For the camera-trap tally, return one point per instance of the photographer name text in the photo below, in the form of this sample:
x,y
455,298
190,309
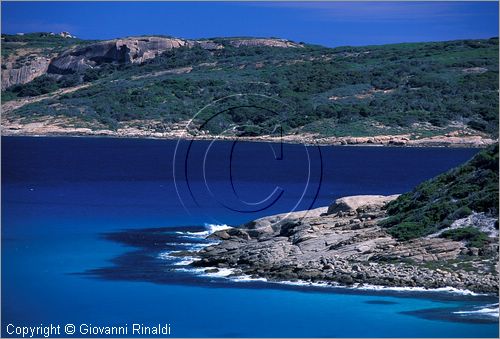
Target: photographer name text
x,y
58,330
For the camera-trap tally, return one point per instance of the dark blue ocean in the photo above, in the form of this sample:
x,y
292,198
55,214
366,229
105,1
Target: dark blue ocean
x,y
84,221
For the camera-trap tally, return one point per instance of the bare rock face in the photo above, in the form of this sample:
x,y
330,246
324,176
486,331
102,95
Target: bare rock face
x,y
264,42
66,35
136,50
13,76
127,51
206,44
273,223
424,250
133,50
353,203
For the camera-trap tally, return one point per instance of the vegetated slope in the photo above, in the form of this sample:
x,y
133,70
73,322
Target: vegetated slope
x,y
438,203
27,57
419,88
46,42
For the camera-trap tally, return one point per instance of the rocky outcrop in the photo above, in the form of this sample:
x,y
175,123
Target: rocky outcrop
x,y
66,35
81,58
36,67
365,201
264,42
206,44
482,221
343,244
136,50
126,51
133,50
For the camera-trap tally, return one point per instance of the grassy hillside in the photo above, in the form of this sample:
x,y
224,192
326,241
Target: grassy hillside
x,y
420,87
44,42
435,204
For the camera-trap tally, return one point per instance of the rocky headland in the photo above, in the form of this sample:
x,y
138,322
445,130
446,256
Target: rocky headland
x,y
343,244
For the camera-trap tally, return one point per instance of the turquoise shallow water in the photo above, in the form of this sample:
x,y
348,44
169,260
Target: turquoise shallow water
x,y
59,195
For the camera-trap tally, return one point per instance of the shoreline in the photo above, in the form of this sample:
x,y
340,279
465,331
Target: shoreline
x,y
342,244
291,140
232,275
242,278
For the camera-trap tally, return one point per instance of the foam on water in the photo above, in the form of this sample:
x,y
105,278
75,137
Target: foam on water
x,y
185,244
198,271
191,235
220,273
236,276
186,261
244,277
194,246
491,310
225,273
232,275
165,255
305,283
418,289
210,228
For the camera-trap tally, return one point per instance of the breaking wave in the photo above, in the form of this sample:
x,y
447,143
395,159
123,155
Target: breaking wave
x,y
210,228
491,310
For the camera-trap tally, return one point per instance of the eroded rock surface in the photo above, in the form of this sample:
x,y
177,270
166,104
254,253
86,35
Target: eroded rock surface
x,y
129,50
133,50
343,244
136,50
33,68
263,42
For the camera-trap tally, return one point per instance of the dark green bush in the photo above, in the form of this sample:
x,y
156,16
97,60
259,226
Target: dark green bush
x,y
478,125
407,230
436,203
41,85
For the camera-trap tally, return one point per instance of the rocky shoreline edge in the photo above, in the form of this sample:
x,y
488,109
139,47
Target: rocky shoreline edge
x,y
342,246
382,140
12,125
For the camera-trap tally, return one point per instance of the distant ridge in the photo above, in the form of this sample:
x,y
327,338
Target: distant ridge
x,y
435,94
